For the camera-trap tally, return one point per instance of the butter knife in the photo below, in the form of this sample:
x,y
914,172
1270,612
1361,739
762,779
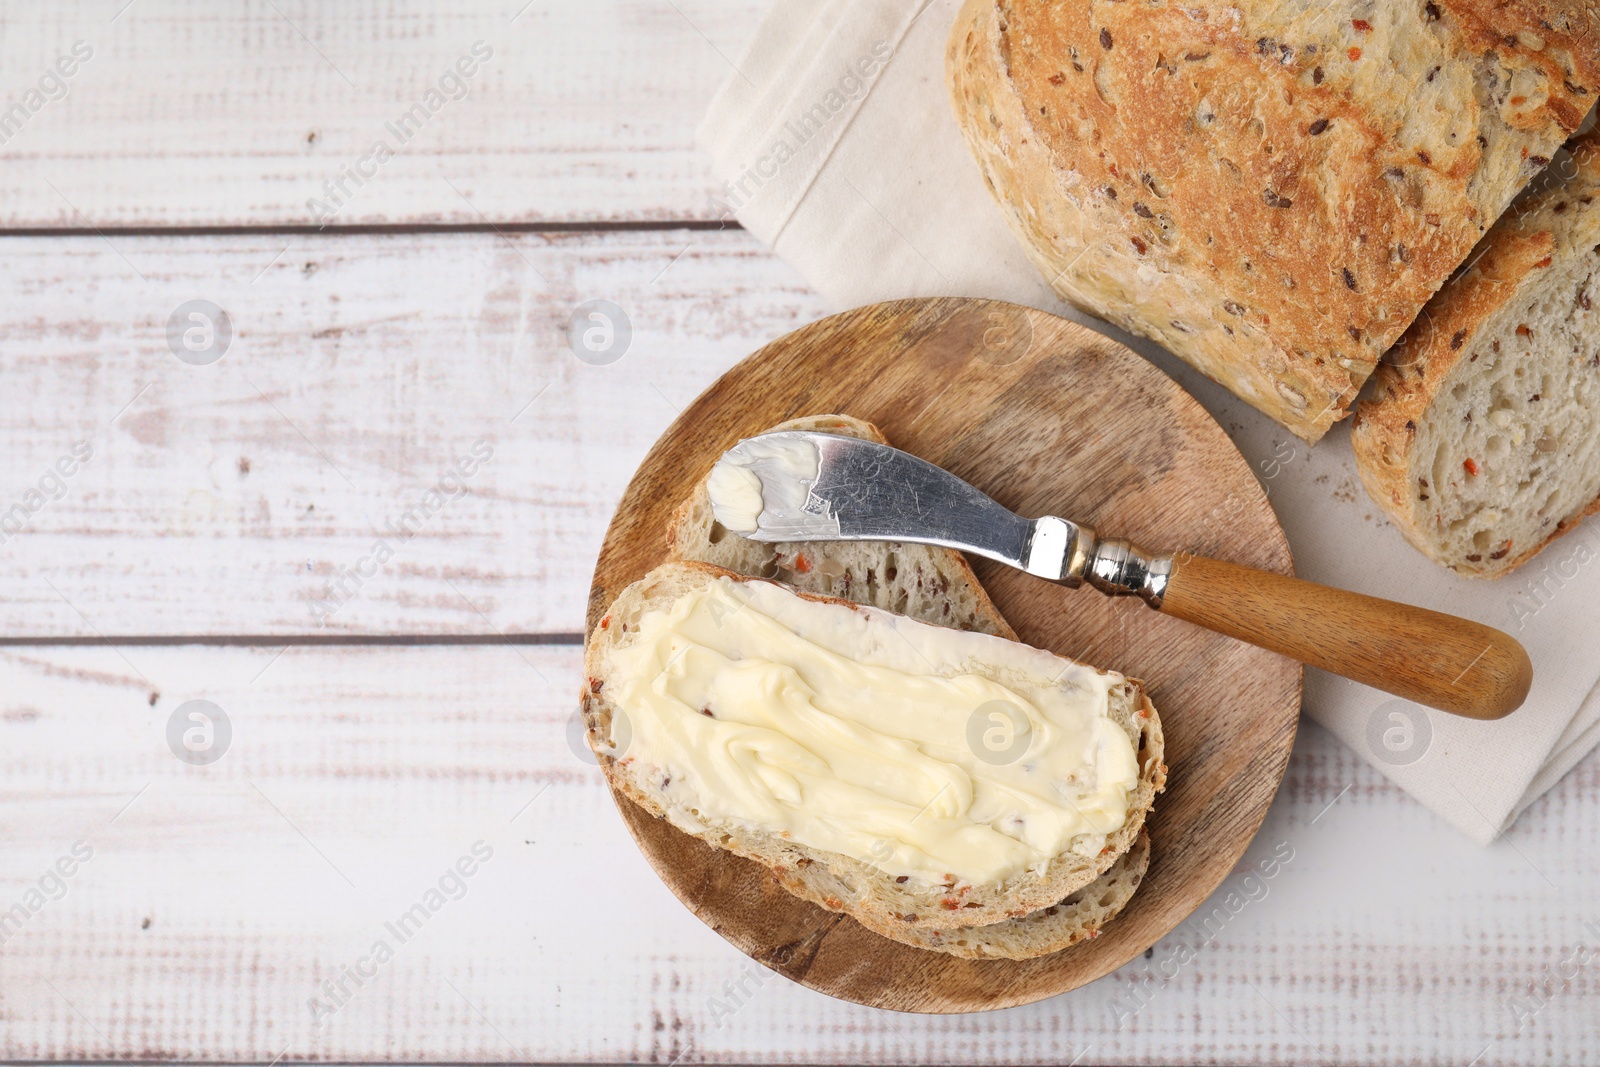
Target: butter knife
x,y
800,485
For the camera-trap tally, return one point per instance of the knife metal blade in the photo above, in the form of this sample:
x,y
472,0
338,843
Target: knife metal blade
x,y
801,485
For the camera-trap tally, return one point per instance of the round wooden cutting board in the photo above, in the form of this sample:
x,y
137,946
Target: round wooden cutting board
x,y
1049,418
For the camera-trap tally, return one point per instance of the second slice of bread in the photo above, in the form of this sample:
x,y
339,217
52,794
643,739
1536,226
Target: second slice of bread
x,y
927,583
1482,438
1062,925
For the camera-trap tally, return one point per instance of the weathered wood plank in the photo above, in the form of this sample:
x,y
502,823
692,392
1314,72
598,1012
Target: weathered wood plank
x,y
184,113
250,496
218,898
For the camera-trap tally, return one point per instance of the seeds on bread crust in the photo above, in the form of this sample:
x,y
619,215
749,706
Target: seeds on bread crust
x,y
1274,151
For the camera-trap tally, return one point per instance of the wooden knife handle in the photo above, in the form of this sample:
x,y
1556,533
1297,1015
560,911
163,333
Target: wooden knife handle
x,y
1445,662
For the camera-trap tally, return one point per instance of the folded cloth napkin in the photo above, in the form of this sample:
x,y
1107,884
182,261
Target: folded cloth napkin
x,y
835,144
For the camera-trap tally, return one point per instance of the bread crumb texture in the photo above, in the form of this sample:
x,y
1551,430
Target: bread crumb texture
x,y
1482,437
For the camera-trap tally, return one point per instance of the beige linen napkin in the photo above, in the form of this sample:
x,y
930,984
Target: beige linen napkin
x,y
835,145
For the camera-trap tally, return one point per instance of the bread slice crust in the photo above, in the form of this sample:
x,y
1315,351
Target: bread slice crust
x,y
837,882
1078,918
1270,192
1528,254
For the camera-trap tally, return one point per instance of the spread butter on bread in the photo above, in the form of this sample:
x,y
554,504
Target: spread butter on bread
x,y
1019,914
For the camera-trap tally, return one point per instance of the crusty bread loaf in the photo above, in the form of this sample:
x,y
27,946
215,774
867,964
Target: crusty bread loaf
x,y
1482,437
1271,190
935,585
838,882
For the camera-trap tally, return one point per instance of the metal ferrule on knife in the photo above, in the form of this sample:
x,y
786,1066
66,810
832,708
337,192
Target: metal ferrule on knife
x,y
1069,553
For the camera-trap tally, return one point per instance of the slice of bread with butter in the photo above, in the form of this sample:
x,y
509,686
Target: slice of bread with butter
x,y
938,586
848,749
853,745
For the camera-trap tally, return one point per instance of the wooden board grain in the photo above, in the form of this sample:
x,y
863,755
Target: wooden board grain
x,y
1048,418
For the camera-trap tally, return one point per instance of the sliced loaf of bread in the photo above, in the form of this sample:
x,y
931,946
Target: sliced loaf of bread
x,y
1481,439
1269,190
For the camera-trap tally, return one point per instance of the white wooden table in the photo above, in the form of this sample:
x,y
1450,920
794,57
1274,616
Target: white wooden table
x,y
424,715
